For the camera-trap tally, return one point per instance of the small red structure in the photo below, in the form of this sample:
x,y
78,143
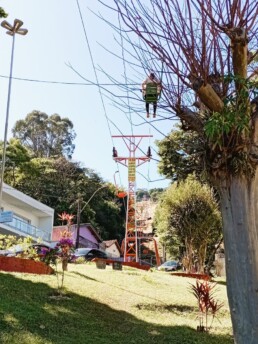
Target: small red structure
x,y
15,264
192,275
121,194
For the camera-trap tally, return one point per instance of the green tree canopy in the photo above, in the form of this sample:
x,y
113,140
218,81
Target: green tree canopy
x,y
60,184
46,136
3,14
142,194
16,156
182,153
188,216
156,193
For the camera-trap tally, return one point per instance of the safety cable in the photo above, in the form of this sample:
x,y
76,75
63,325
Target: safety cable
x,y
90,83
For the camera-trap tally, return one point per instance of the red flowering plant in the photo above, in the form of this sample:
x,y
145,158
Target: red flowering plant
x,y
65,244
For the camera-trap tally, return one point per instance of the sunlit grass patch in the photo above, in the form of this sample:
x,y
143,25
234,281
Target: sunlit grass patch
x,y
104,306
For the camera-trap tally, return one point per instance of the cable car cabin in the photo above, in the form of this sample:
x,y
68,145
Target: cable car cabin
x,y
121,194
152,92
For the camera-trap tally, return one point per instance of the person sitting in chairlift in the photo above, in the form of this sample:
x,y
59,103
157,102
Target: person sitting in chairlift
x,y
151,89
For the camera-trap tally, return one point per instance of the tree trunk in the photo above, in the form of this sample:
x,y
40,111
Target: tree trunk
x,y
189,254
239,202
65,264
201,257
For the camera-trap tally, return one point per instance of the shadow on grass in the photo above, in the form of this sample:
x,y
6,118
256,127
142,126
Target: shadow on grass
x,y
83,276
29,316
166,308
221,282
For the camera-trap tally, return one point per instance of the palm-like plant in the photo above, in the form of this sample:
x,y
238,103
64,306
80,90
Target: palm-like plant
x,y
207,305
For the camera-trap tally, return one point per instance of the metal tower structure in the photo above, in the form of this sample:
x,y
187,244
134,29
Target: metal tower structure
x,y
132,143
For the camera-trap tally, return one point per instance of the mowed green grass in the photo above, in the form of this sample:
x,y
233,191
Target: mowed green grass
x,y
105,306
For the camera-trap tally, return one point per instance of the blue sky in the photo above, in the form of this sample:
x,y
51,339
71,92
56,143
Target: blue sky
x,y
55,40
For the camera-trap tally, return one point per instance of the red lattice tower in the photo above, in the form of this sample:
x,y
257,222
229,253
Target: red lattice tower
x,y
132,142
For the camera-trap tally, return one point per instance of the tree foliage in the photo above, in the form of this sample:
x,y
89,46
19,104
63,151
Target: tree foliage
x,y
142,194
16,156
36,165
156,193
46,136
152,194
182,153
3,14
60,184
188,216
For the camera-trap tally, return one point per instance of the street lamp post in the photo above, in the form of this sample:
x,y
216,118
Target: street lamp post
x,y
79,211
11,30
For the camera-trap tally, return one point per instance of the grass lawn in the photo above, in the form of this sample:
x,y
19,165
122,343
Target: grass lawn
x,y
105,307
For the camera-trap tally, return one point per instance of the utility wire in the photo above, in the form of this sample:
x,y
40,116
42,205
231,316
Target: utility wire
x,y
68,82
93,65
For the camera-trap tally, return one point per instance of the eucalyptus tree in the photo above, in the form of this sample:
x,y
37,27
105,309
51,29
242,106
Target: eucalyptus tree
x,y
208,50
46,136
16,156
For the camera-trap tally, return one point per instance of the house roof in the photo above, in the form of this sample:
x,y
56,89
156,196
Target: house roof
x,y
109,243
92,230
18,199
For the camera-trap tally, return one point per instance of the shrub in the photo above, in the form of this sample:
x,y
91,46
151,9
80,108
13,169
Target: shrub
x,y
207,305
80,260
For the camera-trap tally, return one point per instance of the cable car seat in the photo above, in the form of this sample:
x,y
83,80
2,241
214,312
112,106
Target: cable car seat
x,y
151,92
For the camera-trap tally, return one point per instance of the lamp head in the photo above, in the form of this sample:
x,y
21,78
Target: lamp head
x,y
16,28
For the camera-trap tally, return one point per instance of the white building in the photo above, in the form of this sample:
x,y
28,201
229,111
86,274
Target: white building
x,y
29,217
112,247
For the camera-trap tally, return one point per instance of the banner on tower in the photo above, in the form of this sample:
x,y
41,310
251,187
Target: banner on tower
x,y
131,169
